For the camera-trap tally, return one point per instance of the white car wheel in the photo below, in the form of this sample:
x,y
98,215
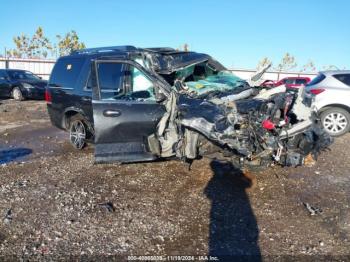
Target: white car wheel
x,y
336,121
17,94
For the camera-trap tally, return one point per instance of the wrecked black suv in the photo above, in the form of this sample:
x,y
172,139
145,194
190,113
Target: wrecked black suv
x,y
143,104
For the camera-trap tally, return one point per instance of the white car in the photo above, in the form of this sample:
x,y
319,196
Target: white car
x,y
331,90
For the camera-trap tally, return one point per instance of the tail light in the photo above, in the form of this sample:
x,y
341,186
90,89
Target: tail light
x,y
317,91
48,97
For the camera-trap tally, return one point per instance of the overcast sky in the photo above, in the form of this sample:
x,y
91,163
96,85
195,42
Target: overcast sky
x,y
237,33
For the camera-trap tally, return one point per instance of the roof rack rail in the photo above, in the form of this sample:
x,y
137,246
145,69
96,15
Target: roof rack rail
x,y
160,49
124,48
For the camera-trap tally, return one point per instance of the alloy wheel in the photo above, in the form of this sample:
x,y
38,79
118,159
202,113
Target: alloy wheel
x,y
17,95
335,122
77,134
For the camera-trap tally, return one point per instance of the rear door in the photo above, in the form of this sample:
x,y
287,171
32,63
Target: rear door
x,y
124,110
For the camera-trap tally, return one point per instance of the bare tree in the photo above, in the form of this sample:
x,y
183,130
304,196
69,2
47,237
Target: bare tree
x,y
22,49
69,43
287,63
40,44
185,47
36,46
330,67
309,67
263,62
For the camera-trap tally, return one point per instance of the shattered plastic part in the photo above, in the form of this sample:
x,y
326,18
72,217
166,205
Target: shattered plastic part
x,y
247,129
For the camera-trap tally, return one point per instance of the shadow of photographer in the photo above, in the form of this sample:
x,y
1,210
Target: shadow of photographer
x,y
233,232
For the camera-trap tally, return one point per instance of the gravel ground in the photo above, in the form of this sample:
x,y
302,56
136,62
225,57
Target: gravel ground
x,y
55,202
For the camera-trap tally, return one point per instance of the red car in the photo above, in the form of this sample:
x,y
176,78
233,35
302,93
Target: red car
x,y
289,82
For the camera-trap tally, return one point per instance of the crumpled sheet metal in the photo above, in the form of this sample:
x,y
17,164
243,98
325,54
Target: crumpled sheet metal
x,y
167,132
218,123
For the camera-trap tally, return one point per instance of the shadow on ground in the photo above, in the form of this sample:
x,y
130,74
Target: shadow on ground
x,y
233,232
10,155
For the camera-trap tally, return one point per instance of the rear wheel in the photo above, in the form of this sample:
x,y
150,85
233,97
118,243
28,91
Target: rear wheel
x,y
17,94
77,131
336,121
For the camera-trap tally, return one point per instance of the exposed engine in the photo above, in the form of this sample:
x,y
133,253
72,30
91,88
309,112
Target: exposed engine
x,y
252,131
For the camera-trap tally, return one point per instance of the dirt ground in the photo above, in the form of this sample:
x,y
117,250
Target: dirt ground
x,y
55,202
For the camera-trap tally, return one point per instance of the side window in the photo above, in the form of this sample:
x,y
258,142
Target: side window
x,y
142,87
345,78
123,82
66,72
300,81
289,81
111,78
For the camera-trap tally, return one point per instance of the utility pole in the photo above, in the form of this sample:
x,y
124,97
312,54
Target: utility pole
x,y
6,59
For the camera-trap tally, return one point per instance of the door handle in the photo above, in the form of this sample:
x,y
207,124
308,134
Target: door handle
x,y
112,113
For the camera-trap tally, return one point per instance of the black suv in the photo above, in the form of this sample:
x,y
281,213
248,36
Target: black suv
x,y
113,96
142,104
21,84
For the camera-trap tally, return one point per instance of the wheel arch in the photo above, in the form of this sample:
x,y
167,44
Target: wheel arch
x,y
68,113
342,106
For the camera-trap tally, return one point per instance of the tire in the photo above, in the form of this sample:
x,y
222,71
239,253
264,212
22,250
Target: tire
x,y
17,94
78,131
336,121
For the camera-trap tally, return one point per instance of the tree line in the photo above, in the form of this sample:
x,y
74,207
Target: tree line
x,y
288,63
39,46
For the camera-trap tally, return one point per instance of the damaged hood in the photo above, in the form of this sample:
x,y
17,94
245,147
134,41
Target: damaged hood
x,y
169,62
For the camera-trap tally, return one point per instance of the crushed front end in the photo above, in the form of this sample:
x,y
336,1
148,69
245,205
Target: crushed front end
x,y
280,130
211,112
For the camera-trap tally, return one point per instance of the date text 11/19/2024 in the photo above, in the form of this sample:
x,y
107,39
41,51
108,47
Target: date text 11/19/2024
x,y
173,258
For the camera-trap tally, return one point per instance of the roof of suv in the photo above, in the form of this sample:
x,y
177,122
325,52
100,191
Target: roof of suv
x,y
123,50
165,59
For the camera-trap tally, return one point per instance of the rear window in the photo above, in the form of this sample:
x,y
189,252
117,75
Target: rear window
x,y
344,78
66,72
318,79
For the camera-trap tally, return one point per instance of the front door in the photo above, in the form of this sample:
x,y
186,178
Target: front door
x,y
124,110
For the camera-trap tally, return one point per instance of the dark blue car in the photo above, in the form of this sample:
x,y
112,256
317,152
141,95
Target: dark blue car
x,y
21,84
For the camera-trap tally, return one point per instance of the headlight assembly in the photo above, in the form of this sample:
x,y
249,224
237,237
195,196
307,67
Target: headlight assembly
x,y
27,86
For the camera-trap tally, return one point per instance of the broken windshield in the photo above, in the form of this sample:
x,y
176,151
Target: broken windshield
x,y
223,81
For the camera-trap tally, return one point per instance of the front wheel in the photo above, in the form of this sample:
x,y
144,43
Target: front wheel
x,y
17,94
77,132
336,121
